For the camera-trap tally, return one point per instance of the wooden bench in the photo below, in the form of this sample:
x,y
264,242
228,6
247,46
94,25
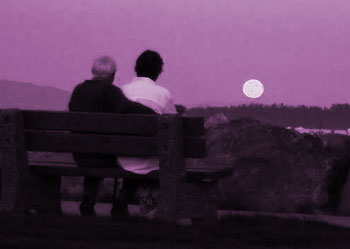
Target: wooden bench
x,y
184,192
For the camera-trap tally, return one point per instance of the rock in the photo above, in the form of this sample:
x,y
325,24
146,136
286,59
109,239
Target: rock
x,y
214,120
274,169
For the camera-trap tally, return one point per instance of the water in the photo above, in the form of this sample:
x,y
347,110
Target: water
x,y
323,131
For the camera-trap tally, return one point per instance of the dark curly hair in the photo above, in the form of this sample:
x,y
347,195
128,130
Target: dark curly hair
x,y
149,64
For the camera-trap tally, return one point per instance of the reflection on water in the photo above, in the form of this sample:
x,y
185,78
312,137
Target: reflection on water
x,y
320,131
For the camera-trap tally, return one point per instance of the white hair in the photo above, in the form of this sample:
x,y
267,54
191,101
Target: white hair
x,y
104,66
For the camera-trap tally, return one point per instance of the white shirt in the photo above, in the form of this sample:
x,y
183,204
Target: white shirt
x,y
145,91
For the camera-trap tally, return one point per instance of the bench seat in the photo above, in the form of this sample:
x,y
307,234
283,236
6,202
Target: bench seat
x,y
193,174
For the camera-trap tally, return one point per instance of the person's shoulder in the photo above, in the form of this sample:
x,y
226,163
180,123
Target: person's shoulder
x,y
163,91
126,86
111,87
88,84
80,89
79,85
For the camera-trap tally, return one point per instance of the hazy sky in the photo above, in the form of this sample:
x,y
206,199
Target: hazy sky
x,y
299,49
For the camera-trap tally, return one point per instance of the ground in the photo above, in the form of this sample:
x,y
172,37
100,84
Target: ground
x,y
260,232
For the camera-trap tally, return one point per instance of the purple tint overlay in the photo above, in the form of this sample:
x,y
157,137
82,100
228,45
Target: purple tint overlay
x,y
298,49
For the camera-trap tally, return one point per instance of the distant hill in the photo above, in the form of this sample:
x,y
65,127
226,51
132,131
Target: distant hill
x,y
29,96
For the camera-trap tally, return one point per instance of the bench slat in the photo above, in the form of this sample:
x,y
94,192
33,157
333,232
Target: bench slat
x,y
91,143
193,174
91,122
193,126
98,172
106,144
134,124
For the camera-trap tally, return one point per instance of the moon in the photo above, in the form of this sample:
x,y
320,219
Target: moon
x,y
253,89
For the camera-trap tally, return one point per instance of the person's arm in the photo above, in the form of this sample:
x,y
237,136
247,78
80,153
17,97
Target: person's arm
x,y
134,107
180,109
169,107
118,103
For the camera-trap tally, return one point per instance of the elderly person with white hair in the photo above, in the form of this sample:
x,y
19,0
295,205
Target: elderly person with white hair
x,y
100,95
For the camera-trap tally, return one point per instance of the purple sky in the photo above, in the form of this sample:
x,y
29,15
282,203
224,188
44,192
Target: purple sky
x,y
299,49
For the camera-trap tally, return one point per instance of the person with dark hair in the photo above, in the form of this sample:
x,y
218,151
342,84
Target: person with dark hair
x,y
100,95
149,64
144,90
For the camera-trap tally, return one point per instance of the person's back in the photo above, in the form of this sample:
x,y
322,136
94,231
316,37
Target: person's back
x,y
144,90
91,96
100,95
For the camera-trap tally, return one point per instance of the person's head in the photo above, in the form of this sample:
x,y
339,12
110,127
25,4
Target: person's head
x,y
149,64
104,67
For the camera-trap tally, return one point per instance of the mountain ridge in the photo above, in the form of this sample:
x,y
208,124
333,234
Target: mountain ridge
x,y
25,95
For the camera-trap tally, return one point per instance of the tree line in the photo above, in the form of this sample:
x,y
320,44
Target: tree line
x,y
336,117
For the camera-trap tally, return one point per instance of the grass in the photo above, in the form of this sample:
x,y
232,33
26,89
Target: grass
x,y
72,232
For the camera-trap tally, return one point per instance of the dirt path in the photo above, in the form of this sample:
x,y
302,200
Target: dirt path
x,y
103,209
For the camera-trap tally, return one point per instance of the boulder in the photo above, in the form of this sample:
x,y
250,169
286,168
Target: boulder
x,y
215,119
275,169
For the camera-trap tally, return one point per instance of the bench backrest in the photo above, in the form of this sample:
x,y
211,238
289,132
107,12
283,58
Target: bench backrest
x,y
121,134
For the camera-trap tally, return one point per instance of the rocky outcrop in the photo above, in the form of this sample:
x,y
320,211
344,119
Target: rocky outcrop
x,y
212,121
276,169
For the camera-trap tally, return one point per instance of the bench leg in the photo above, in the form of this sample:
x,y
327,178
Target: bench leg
x,y
196,201
45,194
179,198
13,162
120,200
200,201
